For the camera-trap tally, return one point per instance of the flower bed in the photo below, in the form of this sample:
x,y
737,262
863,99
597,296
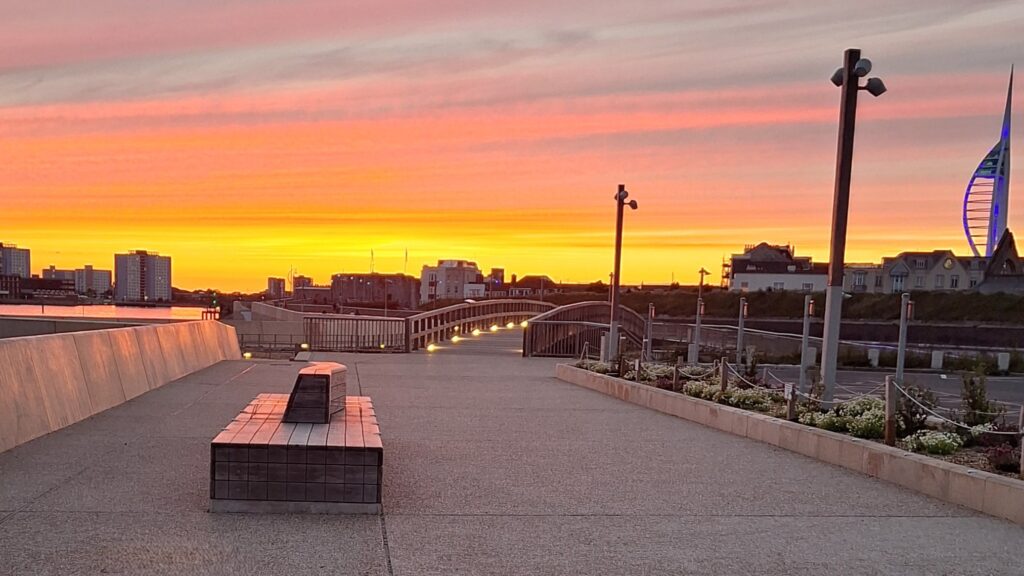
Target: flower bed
x,y
981,446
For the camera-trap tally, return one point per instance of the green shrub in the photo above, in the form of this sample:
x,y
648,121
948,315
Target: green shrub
x,y
974,399
934,442
910,417
595,366
869,424
702,390
826,420
748,399
854,408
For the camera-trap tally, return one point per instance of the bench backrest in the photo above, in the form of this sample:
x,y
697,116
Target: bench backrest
x,y
319,391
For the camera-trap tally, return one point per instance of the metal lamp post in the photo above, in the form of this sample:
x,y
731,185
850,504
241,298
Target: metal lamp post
x,y
906,313
848,78
613,330
805,340
695,351
739,334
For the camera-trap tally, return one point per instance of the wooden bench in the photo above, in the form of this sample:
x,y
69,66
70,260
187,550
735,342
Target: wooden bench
x,y
262,463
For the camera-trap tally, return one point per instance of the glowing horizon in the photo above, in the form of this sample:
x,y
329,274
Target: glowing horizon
x,y
314,133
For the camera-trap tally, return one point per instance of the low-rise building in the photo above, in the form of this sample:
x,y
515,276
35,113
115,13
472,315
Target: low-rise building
x,y
1005,270
774,268
447,280
533,286
400,290
66,277
93,281
915,272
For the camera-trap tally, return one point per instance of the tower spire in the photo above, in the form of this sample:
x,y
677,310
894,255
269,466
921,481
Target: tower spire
x,y
1006,115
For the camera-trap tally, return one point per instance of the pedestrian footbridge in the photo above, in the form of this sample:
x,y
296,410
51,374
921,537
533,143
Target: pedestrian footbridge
x,y
545,329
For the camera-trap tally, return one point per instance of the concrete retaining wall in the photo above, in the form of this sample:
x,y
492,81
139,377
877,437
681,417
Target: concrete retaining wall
x,y
49,382
261,311
989,493
18,327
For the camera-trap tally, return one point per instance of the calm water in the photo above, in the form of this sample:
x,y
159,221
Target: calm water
x,y
102,311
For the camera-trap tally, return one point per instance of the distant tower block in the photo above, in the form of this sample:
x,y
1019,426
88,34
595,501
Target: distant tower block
x,y
986,202
319,391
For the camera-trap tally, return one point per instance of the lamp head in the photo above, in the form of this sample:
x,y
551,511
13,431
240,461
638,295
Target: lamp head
x,y
633,204
837,77
875,87
862,67
622,195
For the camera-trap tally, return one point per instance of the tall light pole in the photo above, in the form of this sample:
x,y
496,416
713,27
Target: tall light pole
x,y
848,78
739,333
613,330
805,360
695,348
906,312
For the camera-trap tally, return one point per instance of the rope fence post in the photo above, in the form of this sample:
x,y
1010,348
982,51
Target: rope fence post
x,y
675,376
890,411
790,402
724,373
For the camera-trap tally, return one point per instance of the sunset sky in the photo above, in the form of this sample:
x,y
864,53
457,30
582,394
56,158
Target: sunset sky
x,y
247,137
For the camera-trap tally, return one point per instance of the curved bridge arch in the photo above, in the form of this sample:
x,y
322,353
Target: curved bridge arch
x,y
564,331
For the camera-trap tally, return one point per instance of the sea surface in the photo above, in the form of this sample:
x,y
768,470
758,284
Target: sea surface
x,y
107,311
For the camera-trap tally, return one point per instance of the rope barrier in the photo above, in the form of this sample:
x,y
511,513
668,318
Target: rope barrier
x,y
947,420
751,384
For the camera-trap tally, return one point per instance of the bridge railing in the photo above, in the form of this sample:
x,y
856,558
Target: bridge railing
x,y
342,333
355,333
566,330
443,323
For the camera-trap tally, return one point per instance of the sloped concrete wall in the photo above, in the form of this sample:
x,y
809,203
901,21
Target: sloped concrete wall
x,y
49,382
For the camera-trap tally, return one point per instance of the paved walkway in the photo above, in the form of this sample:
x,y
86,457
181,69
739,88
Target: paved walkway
x,y
491,467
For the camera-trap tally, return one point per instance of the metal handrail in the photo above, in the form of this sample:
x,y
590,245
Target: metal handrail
x,y
565,330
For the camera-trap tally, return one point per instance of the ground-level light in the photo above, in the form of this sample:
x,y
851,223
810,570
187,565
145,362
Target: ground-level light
x,y
524,323
304,346
476,332
455,339
494,327
510,325
247,355
431,347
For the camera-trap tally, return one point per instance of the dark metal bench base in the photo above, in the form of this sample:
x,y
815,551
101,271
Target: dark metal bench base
x,y
281,507
281,466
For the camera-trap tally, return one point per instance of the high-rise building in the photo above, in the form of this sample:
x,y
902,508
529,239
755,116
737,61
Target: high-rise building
x,y
15,261
275,288
987,200
95,282
142,276
448,280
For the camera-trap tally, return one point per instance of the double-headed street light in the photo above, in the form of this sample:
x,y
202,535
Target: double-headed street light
x,y
848,78
613,329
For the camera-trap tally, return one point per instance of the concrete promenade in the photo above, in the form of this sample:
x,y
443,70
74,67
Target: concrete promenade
x,y
491,466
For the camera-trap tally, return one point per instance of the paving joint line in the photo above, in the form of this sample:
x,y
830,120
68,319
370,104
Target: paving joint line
x,y
385,542
540,515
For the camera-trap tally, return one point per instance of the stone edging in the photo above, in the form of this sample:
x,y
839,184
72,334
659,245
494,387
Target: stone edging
x,y
982,491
